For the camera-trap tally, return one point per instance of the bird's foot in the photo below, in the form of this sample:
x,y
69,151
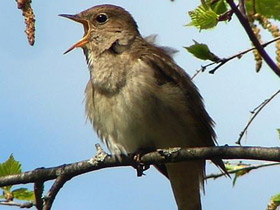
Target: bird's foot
x,y
140,167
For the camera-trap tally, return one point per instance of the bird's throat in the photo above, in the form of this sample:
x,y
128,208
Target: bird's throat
x,y
105,73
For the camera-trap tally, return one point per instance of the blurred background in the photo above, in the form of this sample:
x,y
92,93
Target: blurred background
x,y
42,120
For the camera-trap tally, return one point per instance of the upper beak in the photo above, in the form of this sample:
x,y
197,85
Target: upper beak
x,y
84,40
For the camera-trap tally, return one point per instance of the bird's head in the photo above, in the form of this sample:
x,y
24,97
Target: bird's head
x,y
105,26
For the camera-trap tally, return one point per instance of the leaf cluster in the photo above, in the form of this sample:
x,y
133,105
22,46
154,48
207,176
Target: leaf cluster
x,y
11,167
211,12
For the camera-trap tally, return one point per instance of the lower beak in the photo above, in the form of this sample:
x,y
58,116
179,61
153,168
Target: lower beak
x,y
84,40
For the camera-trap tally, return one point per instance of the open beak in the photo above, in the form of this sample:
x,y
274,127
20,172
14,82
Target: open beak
x,y
84,40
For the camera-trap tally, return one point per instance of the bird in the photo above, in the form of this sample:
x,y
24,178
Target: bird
x,y
139,99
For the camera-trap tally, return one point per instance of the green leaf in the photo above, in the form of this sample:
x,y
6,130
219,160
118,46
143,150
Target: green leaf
x,y
202,52
241,170
267,8
9,167
203,18
23,194
278,130
239,174
234,180
229,166
220,7
276,198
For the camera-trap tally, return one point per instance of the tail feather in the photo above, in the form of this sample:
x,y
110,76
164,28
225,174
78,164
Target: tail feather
x,y
187,180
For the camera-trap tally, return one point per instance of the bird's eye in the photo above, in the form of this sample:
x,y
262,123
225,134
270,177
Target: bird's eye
x,y
101,18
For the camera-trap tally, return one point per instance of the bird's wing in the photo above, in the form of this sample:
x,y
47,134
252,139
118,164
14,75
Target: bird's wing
x,y
167,71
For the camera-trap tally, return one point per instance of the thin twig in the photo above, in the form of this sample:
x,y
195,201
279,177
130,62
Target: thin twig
x,y
247,168
255,112
246,25
225,60
202,69
196,73
239,55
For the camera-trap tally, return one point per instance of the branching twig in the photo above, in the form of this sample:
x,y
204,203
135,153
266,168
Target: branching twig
x,y
246,25
58,184
202,69
254,113
247,168
225,60
239,55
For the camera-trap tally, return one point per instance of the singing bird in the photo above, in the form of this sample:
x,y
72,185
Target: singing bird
x,y
139,99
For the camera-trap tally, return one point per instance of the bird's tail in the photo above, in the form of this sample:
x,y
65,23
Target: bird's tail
x,y
187,180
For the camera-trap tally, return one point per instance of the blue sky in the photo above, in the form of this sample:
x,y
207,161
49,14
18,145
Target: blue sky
x,y
42,119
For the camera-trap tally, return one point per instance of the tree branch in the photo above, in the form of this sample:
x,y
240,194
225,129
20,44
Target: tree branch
x,y
38,192
246,25
160,156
